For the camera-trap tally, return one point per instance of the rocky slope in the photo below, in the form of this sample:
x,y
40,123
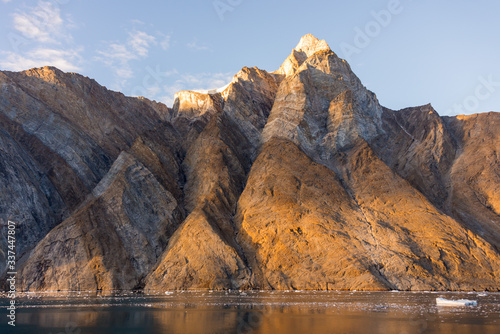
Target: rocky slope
x,y
293,179
60,134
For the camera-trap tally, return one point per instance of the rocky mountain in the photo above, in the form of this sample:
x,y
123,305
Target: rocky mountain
x,y
293,179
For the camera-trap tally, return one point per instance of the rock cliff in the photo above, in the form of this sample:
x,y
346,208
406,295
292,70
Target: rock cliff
x,y
292,179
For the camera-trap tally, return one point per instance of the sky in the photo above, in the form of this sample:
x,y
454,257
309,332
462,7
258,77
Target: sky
x,y
408,52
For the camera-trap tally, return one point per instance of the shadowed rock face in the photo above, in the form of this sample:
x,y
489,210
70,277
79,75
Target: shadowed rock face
x,y
295,179
418,146
60,134
474,195
113,240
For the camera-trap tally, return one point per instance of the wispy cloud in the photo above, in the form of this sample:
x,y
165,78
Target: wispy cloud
x,y
136,21
140,42
165,42
116,53
119,56
65,60
189,81
5,1
42,23
202,81
46,39
196,46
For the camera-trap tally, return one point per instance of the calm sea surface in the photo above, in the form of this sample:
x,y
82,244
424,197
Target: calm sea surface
x,y
253,312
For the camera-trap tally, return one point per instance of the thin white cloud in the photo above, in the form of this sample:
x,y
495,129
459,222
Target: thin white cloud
x,y
5,1
45,37
165,42
171,73
136,21
64,60
203,81
193,82
140,42
42,23
195,46
119,56
153,91
117,53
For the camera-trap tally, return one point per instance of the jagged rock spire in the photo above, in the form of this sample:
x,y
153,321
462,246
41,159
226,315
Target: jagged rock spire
x,y
310,45
307,46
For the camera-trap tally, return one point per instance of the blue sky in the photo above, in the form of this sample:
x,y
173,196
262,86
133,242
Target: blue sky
x,y
408,52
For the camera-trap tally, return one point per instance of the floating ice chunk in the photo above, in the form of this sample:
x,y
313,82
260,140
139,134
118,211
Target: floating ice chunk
x,y
459,302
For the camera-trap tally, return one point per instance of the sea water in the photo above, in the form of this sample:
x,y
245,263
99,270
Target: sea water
x,y
256,312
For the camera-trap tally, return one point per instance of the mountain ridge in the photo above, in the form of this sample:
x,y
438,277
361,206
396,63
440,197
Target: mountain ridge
x,y
293,179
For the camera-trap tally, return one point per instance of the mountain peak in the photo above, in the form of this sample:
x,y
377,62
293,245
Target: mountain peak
x,y
309,44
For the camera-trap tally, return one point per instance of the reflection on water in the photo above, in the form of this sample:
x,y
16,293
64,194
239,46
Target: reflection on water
x,y
253,312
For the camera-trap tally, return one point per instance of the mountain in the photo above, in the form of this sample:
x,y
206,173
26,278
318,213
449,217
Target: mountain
x,y
292,179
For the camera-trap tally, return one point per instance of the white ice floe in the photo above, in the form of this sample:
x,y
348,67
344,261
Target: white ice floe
x,y
458,302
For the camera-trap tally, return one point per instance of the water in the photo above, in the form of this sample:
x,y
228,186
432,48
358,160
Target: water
x,y
252,312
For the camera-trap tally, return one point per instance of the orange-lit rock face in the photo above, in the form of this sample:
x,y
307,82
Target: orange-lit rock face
x,y
304,228
295,179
